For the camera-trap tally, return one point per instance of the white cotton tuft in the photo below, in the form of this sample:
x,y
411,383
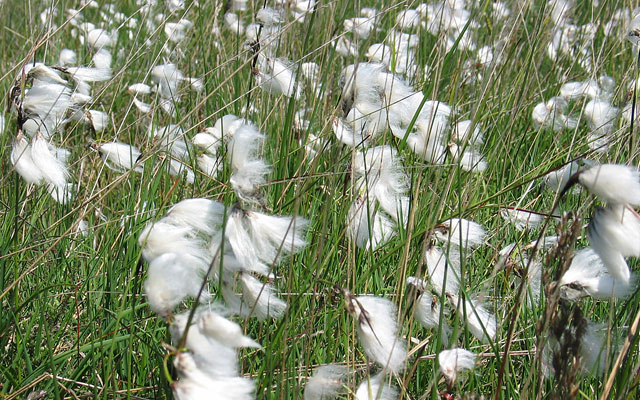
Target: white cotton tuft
x,y
120,157
209,165
454,361
588,276
170,280
224,331
367,227
67,57
54,171
478,318
377,331
203,215
427,309
161,237
375,388
327,382
460,232
443,269
521,219
248,169
613,183
614,233
259,299
208,142
99,38
23,163
86,74
211,357
102,60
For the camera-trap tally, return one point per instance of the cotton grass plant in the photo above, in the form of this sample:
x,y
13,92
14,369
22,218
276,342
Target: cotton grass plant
x,y
188,179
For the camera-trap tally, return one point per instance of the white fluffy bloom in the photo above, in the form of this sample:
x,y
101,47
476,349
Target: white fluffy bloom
x,y
360,26
276,76
204,215
22,161
601,116
478,318
551,114
380,171
377,330
443,270
120,157
427,309
521,219
161,237
54,170
375,388
171,279
613,183
454,361
99,38
196,382
460,232
327,382
367,227
259,299
211,357
259,240
67,57
614,233
587,276
224,331
248,169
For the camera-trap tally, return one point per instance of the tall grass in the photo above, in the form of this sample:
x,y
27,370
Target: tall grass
x,y
74,320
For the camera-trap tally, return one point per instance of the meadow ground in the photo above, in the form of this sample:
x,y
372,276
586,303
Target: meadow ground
x,y
75,320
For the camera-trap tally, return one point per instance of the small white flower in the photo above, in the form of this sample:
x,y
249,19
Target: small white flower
x,y
377,330
454,361
22,161
460,232
427,310
259,299
367,227
614,233
328,381
54,170
120,157
587,276
480,321
171,278
613,183
224,331
521,219
375,388
443,270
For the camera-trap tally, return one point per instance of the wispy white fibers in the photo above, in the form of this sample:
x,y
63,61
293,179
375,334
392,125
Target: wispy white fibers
x,y
224,331
120,157
587,276
521,219
443,269
259,299
379,170
211,356
613,183
460,232
477,318
249,169
377,330
327,382
22,161
366,226
161,237
259,240
455,361
54,170
197,384
277,76
551,114
427,309
171,279
376,388
614,233
204,215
